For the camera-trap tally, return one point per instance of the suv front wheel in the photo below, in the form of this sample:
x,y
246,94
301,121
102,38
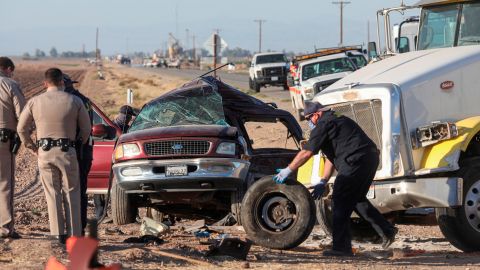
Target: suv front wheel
x,y
124,210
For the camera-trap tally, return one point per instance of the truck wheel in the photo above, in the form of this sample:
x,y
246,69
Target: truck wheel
x,y
124,210
256,86
285,87
250,83
235,205
278,216
461,226
361,230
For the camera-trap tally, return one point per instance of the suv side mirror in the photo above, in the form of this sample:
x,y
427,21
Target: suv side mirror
x,y
100,131
372,50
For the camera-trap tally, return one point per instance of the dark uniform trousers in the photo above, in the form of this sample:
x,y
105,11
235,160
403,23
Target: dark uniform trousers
x,y
85,158
350,194
7,184
60,179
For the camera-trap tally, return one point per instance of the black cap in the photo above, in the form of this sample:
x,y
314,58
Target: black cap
x,y
68,81
128,110
313,107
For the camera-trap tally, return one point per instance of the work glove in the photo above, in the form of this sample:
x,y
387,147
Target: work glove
x,y
282,175
318,190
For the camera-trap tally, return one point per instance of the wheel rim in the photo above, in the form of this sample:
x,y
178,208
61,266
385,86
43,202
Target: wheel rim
x,y
472,206
275,212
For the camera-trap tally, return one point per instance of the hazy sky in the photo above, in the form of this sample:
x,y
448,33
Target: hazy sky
x,y
143,25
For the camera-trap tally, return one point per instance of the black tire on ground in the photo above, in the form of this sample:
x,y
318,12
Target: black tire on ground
x,y
124,210
461,226
155,214
277,216
361,230
256,86
250,83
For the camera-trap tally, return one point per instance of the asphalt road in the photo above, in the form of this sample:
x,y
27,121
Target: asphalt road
x,y
238,80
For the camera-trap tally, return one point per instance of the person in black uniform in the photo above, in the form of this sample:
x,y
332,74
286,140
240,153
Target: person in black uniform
x,y
84,152
355,156
126,113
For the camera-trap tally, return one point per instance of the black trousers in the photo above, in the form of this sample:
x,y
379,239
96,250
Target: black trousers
x,y
349,194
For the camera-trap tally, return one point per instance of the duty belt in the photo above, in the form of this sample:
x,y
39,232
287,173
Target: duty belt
x,y
6,134
47,143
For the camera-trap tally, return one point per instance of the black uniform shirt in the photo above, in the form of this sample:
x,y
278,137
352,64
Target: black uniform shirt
x,y
340,139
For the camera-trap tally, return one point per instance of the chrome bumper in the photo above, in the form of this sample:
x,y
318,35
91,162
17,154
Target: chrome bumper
x,y
205,174
404,194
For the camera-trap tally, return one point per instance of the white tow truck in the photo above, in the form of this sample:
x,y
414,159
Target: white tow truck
x,y
421,109
312,73
268,69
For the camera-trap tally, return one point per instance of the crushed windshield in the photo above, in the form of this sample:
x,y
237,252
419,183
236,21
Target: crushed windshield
x,y
271,58
193,108
326,67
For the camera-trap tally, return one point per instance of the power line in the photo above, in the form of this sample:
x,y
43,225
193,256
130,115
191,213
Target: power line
x,y
260,22
341,4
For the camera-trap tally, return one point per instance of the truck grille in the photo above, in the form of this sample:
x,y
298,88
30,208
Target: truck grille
x,y
368,115
166,148
273,71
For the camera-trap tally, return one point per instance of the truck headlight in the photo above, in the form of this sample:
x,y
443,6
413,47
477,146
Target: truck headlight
x,y
309,93
127,150
226,148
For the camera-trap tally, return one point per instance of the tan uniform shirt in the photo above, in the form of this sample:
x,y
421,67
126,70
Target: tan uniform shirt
x,y
56,115
12,102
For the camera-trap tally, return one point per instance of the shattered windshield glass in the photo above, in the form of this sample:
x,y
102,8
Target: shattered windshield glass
x,y
196,107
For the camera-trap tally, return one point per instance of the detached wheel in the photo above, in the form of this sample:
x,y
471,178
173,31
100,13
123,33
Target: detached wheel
x,y
361,230
278,216
124,210
461,226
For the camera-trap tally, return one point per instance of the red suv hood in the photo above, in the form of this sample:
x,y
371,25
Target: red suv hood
x,y
180,131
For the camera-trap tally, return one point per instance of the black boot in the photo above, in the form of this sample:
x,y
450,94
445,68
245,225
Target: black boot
x,y
337,253
388,239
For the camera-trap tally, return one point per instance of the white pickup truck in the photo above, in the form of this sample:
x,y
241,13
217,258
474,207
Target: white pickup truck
x,y
314,75
422,110
268,69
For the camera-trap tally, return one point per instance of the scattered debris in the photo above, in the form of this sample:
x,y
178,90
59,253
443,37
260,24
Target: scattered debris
x,y
233,247
404,253
180,257
152,227
245,265
113,231
144,239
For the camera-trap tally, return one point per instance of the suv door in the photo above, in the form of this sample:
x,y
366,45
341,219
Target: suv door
x,y
271,144
102,154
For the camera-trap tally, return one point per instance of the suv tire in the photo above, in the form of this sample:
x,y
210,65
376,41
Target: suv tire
x,y
294,209
124,210
256,86
461,225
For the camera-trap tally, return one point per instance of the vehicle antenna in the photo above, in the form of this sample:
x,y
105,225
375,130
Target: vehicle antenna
x,y
215,69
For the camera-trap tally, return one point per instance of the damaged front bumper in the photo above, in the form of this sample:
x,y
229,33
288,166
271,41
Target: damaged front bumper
x,y
396,195
202,174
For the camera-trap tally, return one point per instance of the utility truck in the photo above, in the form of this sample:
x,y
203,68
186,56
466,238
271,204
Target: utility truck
x,y
421,109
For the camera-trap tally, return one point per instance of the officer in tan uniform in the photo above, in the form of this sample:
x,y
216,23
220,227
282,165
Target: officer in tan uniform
x,y
57,115
11,105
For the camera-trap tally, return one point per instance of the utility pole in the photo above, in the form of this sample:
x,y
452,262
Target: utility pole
x,y
215,39
194,52
96,49
260,22
342,4
186,39
368,32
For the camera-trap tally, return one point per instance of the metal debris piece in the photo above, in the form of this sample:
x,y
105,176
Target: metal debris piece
x,y
232,247
152,227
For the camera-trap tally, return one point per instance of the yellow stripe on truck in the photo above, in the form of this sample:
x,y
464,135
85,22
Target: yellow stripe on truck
x,y
437,155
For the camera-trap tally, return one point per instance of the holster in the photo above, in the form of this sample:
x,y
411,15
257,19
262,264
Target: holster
x,y
5,135
15,143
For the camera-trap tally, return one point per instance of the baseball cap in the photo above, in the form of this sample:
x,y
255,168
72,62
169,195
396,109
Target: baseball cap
x,y
313,107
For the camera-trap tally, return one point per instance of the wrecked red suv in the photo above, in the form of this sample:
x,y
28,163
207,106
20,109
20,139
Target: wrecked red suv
x,y
195,151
